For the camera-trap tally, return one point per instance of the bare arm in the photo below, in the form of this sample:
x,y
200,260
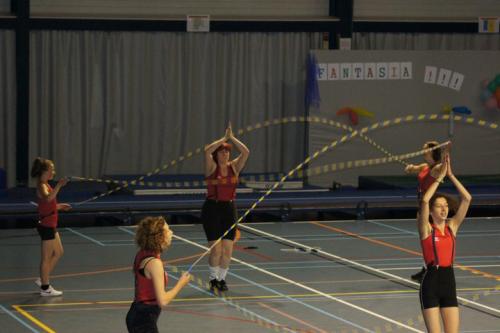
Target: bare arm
x,y
465,200
45,194
424,227
435,171
210,164
154,270
415,168
239,162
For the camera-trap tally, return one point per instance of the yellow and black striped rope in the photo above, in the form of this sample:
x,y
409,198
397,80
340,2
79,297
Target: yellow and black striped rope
x,y
247,129
417,320
140,181
252,316
300,167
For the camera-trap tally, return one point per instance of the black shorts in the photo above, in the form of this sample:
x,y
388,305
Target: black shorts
x,y
46,233
142,318
217,217
438,288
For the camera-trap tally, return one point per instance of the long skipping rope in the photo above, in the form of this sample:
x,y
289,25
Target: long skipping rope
x,y
386,123
386,160
343,166
247,129
268,123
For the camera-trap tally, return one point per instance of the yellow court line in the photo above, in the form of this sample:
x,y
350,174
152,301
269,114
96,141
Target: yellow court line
x,y
33,319
204,299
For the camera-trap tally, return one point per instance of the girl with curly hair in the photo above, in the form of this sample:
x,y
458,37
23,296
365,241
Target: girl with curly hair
x,y
153,236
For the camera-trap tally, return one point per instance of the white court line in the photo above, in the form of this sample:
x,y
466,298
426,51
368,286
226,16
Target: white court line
x,y
10,313
127,230
228,301
393,228
312,290
415,267
369,268
93,240
240,308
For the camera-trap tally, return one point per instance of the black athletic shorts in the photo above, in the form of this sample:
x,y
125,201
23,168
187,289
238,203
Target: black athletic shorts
x,y
142,318
217,217
46,233
438,288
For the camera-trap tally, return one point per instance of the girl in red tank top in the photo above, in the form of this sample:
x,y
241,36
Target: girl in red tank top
x,y
153,236
219,211
43,170
426,172
220,187
437,234
426,175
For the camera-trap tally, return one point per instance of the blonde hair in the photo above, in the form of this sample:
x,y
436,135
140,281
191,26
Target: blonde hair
x,y
150,233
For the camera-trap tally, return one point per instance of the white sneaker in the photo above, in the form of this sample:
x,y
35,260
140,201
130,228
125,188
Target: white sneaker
x,y
38,282
50,292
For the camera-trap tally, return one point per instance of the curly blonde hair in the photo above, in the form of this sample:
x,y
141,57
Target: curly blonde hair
x,y
150,233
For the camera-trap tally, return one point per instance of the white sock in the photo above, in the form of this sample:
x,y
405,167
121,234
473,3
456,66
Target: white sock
x,y
213,272
222,273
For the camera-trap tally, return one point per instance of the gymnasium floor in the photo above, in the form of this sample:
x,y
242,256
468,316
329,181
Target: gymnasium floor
x,y
327,276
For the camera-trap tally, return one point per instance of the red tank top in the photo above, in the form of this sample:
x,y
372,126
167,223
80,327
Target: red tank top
x,y
47,211
222,188
442,246
144,288
425,179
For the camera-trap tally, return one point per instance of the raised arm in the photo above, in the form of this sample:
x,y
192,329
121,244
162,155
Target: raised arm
x,y
210,164
436,170
465,200
239,162
157,274
47,195
424,227
414,168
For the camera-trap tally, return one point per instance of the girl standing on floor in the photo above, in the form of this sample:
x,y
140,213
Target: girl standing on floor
x,y
426,175
43,170
218,213
438,292
153,236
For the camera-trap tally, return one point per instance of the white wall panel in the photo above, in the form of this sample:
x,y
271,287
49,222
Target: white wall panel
x,y
432,10
166,8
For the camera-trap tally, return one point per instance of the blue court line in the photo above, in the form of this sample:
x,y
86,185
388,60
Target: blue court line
x,y
390,261
222,299
93,240
319,310
394,228
318,239
345,321
237,306
10,313
381,267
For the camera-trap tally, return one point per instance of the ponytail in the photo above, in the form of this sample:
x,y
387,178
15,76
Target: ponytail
x,y
40,165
